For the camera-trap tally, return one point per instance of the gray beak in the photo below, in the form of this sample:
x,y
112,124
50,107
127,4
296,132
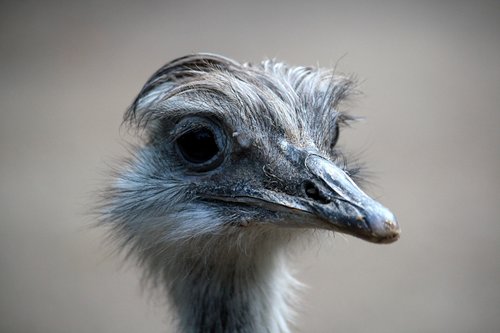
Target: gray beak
x,y
325,197
336,199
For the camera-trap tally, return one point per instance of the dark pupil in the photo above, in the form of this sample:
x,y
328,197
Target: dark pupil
x,y
198,146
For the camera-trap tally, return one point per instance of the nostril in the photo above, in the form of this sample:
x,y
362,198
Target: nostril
x,y
314,192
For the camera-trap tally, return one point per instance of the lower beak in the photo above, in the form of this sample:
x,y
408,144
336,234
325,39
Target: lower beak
x,y
337,200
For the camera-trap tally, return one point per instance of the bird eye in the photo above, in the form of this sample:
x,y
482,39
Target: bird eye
x,y
201,147
198,146
335,137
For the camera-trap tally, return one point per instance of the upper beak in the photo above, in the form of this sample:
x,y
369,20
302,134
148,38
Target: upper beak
x,y
337,200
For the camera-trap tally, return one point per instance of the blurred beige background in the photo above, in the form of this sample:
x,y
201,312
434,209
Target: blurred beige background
x,y
431,76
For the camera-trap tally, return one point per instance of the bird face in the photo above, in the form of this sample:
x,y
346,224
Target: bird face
x,y
238,146
278,183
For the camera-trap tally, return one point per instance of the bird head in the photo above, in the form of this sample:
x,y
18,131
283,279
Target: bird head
x,y
230,147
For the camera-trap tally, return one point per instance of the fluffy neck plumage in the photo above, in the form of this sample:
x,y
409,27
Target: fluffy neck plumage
x,y
231,283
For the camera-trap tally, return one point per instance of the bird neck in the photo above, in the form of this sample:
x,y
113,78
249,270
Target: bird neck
x,y
239,288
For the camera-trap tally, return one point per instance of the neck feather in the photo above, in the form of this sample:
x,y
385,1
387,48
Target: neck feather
x,y
231,283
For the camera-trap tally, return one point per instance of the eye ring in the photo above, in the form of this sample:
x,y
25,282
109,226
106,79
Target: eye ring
x,y
200,144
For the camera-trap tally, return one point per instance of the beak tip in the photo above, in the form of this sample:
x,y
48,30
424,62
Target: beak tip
x,y
388,231
383,224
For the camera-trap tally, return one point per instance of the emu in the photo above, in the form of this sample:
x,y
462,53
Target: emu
x,y
236,163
